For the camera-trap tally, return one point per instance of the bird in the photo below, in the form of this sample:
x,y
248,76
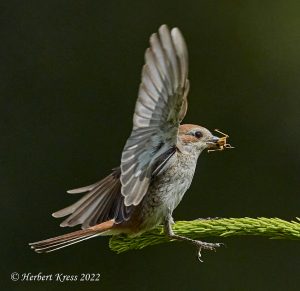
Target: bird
x,y
157,163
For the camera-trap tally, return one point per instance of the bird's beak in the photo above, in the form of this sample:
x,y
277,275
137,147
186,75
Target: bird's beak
x,y
213,143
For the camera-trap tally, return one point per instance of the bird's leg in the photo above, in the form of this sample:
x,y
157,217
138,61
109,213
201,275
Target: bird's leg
x,y
199,244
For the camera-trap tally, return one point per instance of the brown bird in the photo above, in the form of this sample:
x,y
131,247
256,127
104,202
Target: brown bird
x,y
158,161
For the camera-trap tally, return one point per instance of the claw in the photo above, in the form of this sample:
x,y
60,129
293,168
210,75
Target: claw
x,y
199,255
206,246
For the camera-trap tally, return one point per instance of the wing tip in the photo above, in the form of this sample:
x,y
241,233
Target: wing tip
x,y
56,214
78,190
163,26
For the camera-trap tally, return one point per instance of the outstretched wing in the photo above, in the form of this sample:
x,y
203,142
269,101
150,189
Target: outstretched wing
x,y
160,107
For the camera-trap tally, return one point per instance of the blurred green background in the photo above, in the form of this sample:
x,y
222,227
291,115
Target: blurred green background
x,y
70,71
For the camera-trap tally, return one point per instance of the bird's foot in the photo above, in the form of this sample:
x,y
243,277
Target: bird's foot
x,y
205,246
201,245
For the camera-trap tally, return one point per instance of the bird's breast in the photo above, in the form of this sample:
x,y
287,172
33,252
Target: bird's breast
x,y
167,190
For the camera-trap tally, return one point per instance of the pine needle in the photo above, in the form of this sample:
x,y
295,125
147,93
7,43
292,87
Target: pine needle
x,y
273,228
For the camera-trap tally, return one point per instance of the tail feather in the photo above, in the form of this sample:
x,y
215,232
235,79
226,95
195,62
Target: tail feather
x,y
62,241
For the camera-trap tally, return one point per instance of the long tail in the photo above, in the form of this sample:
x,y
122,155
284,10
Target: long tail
x,y
62,241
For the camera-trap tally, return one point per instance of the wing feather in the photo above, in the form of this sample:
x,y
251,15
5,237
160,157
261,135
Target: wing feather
x,y
160,107
103,202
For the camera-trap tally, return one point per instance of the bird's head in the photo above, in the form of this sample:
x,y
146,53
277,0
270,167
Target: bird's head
x,y
197,138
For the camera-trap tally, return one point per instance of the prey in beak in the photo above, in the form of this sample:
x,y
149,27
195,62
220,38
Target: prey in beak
x,y
218,143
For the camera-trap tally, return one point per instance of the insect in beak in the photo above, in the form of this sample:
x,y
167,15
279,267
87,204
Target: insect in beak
x,y
221,142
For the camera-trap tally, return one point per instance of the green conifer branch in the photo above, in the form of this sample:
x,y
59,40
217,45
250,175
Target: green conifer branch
x,y
274,228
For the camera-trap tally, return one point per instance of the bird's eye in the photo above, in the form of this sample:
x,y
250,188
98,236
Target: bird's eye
x,y
198,134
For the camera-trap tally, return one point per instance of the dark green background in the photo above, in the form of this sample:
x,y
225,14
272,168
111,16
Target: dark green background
x,y
69,77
